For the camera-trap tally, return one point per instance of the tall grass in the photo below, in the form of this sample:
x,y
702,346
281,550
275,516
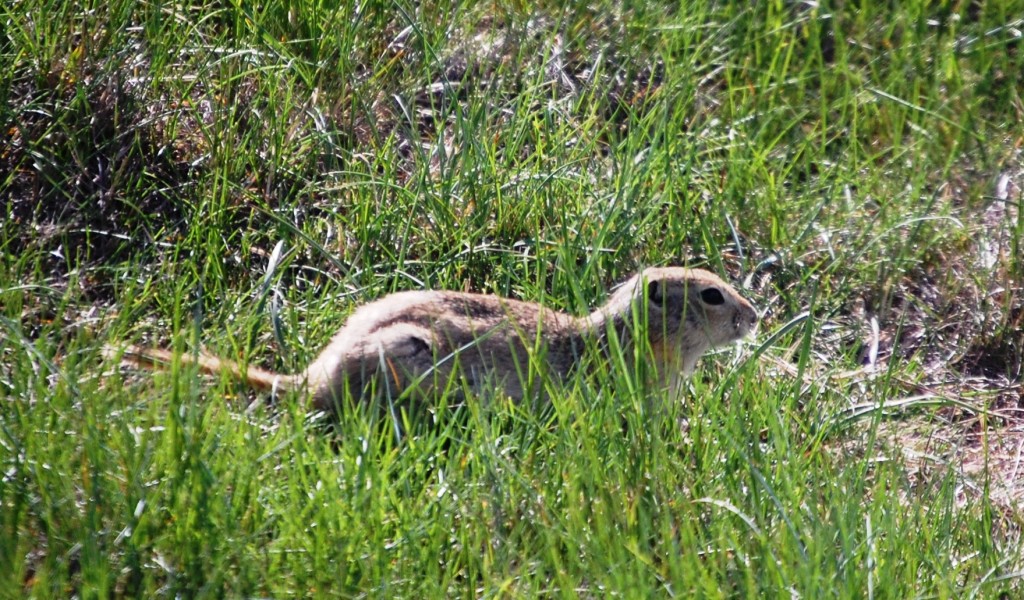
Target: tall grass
x,y
240,176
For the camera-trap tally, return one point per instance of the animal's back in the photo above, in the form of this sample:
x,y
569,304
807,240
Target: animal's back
x,y
419,337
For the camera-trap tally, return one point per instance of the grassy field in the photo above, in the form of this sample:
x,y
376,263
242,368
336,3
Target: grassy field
x,y
239,176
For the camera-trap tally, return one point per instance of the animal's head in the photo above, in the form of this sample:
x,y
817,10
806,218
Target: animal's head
x,y
688,311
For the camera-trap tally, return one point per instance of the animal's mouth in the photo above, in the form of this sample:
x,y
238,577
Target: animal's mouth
x,y
749,330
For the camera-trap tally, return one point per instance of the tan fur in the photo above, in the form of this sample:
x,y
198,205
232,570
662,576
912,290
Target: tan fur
x,y
420,339
156,358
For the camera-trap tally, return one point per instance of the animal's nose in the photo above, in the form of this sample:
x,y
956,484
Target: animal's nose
x,y
747,318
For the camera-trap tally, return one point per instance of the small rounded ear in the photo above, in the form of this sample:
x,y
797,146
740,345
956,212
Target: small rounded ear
x,y
655,293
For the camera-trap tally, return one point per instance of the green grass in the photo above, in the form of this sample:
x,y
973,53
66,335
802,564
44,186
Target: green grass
x,y
845,162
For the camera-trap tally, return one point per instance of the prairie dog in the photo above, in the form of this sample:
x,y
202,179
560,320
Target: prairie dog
x,y
421,338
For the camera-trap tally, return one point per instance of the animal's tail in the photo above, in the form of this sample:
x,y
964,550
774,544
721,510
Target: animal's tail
x,y
156,358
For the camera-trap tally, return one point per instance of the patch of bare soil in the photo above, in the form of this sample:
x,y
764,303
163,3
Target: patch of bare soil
x,y
963,409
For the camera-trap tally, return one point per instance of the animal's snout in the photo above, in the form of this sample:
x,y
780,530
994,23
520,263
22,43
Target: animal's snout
x,y
745,320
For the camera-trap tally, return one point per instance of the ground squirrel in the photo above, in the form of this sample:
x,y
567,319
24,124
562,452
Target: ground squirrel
x,y
418,338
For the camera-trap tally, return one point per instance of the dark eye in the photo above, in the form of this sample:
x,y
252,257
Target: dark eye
x,y
712,296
